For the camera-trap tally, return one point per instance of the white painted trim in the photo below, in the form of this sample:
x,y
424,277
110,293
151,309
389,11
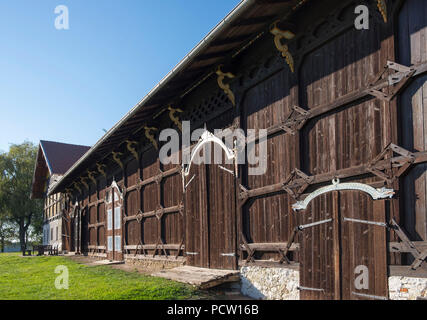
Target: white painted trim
x,y
205,138
376,194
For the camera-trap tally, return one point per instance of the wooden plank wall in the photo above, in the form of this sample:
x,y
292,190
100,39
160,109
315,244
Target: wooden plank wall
x,y
330,63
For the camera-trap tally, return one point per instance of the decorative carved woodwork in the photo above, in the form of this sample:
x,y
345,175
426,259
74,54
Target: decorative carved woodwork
x,y
76,185
130,145
173,116
337,186
419,157
279,35
100,168
296,192
382,7
116,158
91,175
401,77
207,137
150,136
409,245
83,182
295,120
226,87
159,212
394,169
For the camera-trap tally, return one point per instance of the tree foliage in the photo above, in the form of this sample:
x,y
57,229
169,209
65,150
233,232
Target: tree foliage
x,y
16,168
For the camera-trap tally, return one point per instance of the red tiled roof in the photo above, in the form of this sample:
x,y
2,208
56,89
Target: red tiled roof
x,y
53,158
61,156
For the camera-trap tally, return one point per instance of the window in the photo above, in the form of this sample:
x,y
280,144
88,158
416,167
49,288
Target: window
x,y
110,243
108,196
51,234
117,216
57,233
109,219
117,243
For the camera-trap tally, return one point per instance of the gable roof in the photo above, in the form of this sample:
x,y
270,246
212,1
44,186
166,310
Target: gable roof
x,y
61,156
53,158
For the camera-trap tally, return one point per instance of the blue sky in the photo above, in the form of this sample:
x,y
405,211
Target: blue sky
x,y
69,85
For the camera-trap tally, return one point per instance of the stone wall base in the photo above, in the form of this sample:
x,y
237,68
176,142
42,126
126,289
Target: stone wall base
x,y
407,288
269,283
153,264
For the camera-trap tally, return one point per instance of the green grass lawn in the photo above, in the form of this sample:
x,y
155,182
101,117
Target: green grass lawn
x,y
33,278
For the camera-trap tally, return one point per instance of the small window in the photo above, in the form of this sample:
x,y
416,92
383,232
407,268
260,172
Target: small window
x,y
108,198
110,243
51,234
56,233
117,216
109,219
117,243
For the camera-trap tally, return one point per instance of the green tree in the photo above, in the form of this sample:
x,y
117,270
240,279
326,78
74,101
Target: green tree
x,y
16,168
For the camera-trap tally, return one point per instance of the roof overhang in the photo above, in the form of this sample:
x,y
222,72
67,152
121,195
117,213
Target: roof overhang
x,y
234,32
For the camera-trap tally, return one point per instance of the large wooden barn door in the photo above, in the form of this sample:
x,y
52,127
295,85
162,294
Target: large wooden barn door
x,y
210,215
319,264
114,224
343,248
196,213
222,202
363,247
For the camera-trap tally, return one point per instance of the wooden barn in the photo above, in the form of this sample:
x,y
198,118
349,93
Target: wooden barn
x,y
340,211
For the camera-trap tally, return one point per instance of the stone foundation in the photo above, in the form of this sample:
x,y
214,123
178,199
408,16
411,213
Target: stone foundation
x,y
269,283
407,288
153,264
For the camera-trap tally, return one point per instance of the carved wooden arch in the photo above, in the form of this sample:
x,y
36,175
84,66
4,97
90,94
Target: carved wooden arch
x,y
205,138
113,186
376,194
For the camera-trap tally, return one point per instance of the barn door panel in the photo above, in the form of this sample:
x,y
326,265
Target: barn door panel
x,y
222,202
318,271
363,243
196,228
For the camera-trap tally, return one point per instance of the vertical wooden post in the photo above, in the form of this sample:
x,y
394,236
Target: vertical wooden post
x,y
337,245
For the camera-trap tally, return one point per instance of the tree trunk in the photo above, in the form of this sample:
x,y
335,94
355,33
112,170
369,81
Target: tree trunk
x,y
2,244
22,239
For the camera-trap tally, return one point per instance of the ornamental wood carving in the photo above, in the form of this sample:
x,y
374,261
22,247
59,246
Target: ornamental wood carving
x,y
279,35
130,145
116,157
174,117
382,7
226,87
376,194
150,136
100,168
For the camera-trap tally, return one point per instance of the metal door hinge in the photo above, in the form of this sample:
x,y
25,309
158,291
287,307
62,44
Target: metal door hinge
x,y
305,226
310,289
370,296
381,224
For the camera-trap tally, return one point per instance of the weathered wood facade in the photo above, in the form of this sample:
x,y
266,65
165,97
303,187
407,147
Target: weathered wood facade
x,y
340,105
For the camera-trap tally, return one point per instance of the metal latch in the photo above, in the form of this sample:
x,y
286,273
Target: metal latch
x,y
370,296
228,254
381,224
310,289
305,226
191,253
